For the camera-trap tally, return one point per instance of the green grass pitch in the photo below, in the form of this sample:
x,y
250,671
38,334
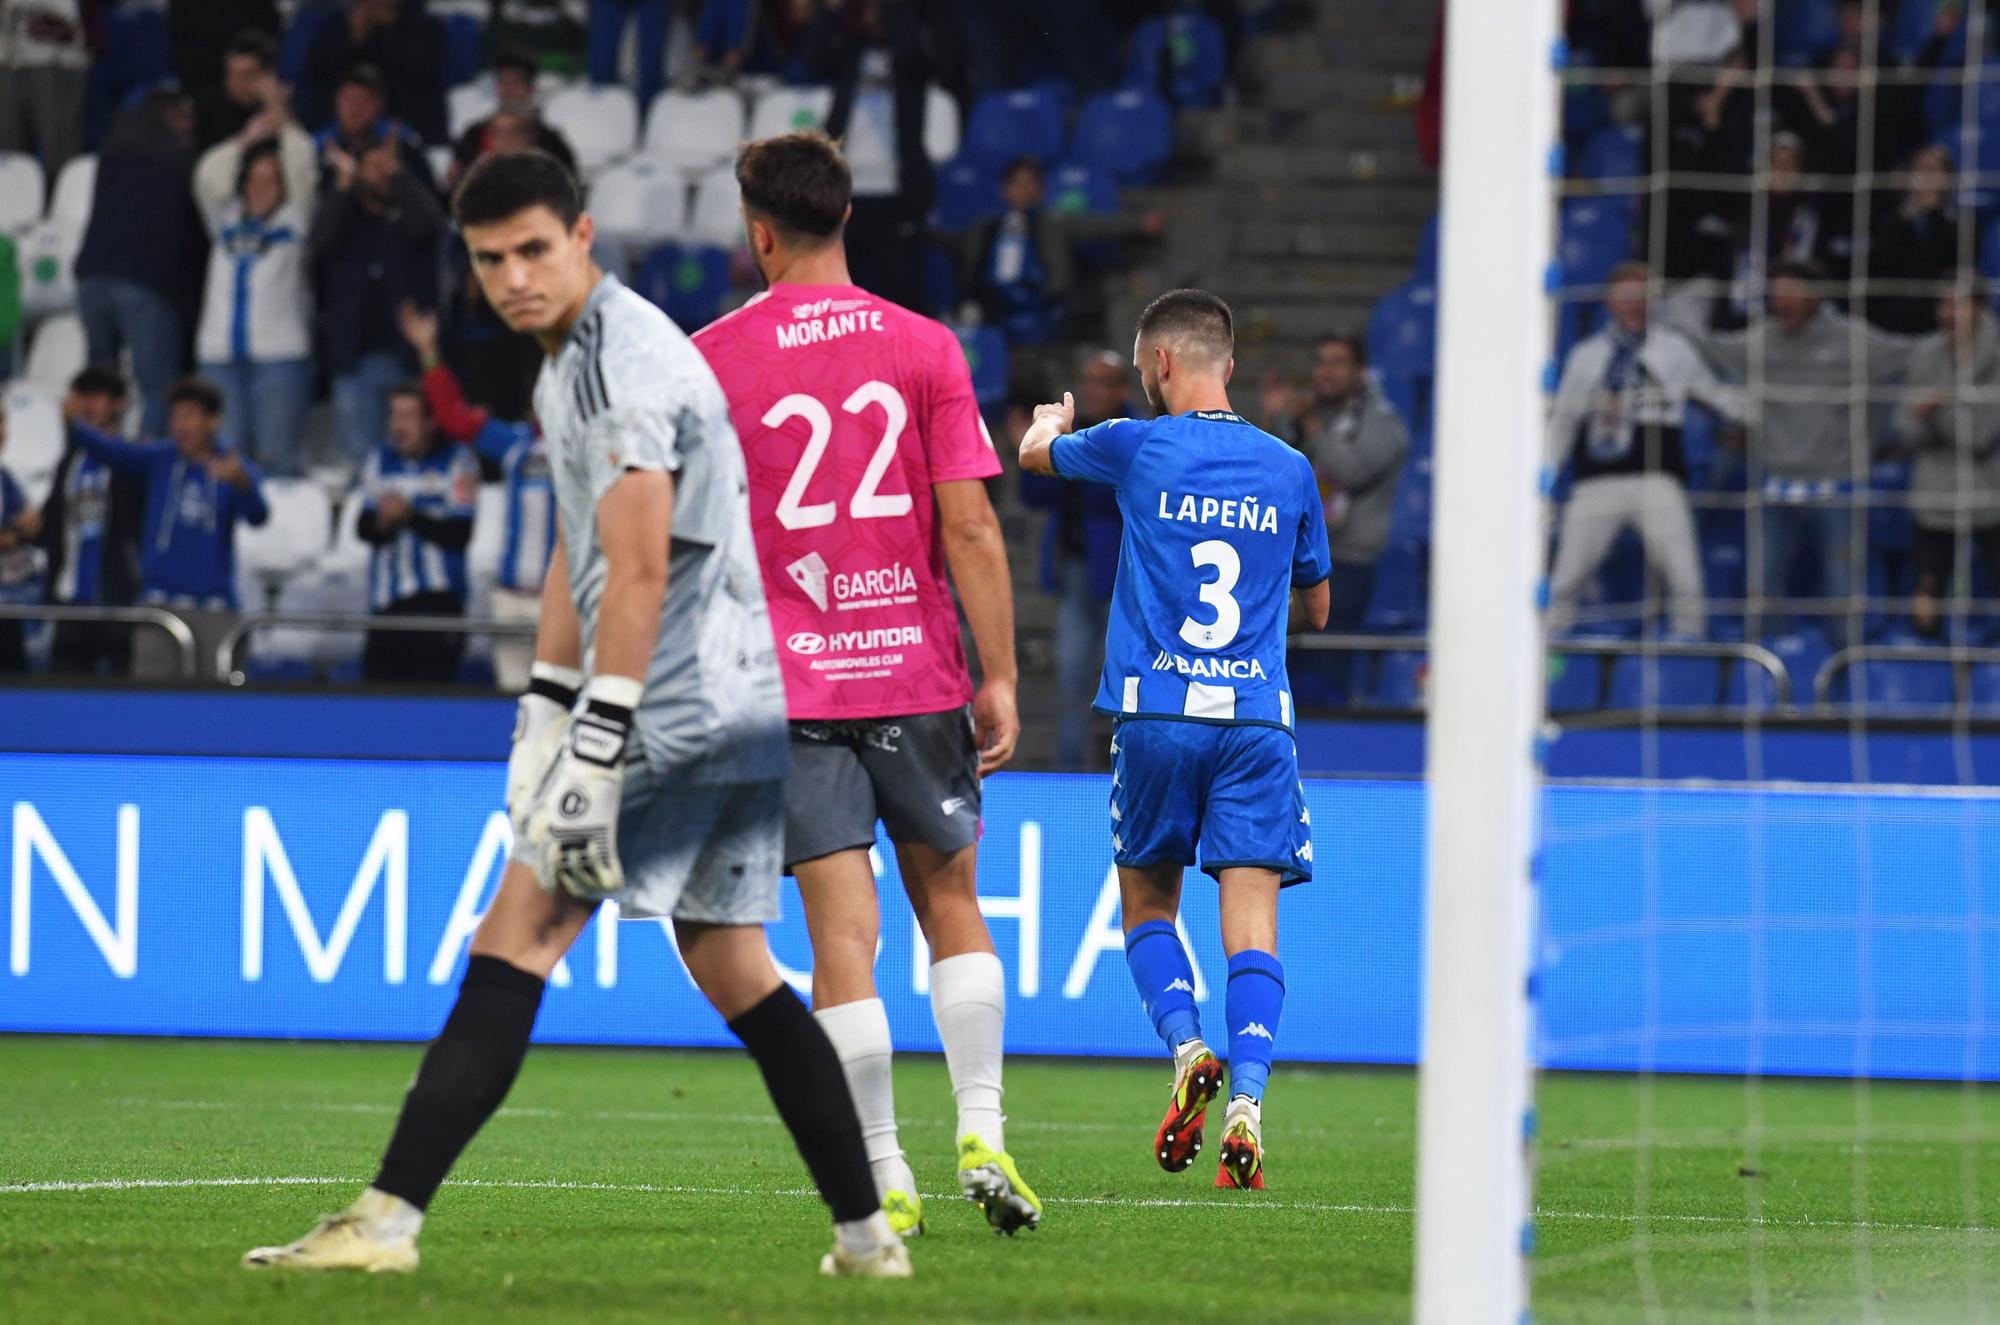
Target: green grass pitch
x,y
642,1186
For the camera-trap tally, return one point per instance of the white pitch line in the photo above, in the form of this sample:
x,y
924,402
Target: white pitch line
x,y
1122,1202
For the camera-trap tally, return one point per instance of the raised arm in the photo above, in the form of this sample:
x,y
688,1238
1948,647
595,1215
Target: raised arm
x,y
1051,422
126,457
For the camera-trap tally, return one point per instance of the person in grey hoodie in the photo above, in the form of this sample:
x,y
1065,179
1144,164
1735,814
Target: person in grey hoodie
x,y
1950,424
1810,441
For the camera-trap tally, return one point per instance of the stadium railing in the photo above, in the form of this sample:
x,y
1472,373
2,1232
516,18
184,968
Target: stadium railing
x,y
227,672
157,618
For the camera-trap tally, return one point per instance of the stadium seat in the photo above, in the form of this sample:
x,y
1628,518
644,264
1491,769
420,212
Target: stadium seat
x,y
76,185
1184,55
1128,134
1803,652
34,435
717,215
1575,681
689,283
1080,189
986,355
1024,122
298,41
1596,235
601,124
1400,680
1402,330
1426,270
1399,601
784,109
694,131
296,536
1898,685
488,545
968,191
1410,516
1908,30
464,49
638,203
943,133
46,259
1986,686
57,352
1806,31
468,104
22,185
1639,682
1586,109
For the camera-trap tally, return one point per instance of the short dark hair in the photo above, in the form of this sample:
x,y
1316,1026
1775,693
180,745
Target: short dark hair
x,y
256,44
799,182
514,57
257,151
1353,341
98,380
197,391
1020,163
410,386
1799,269
505,184
362,74
1195,314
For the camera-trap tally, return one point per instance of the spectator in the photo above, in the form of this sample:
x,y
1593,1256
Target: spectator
x,y
44,66
1357,444
518,451
89,527
1809,442
606,38
515,124
1951,426
133,274
1080,559
375,242
1803,226
402,43
360,117
1617,421
1916,245
205,36
20,560
724,33
255,338
247,91
1711,131
196,492
418,496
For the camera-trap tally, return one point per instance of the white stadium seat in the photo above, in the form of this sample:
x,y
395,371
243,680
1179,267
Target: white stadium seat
x,y
638,203
46,258
787,108
22,186
469,103
693,131
489,544
717,216
601,124
75,188
34,436
57,353
941,126
296,536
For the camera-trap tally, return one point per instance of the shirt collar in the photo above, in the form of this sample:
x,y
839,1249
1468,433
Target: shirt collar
x,y
606,285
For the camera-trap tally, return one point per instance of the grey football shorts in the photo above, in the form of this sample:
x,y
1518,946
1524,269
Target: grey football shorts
x,y
709,853
919,775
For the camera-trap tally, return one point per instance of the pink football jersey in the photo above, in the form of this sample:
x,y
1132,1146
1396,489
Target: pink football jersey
x,y
849,408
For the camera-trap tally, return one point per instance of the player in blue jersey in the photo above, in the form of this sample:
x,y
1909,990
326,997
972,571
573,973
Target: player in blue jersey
x,y
1224,554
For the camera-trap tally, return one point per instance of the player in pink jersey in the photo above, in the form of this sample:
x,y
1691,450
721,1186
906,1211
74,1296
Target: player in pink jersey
x,y
866,459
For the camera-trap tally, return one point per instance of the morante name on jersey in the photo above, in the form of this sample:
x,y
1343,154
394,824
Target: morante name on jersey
x,y
1229,512
1231,669
832,327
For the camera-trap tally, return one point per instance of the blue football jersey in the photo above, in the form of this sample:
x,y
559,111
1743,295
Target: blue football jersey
x,y
1222,521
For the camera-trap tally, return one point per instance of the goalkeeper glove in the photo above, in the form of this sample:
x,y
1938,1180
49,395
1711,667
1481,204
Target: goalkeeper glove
x,y
576,820
541,719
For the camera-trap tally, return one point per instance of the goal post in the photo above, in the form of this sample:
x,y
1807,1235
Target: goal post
x,y
1487,668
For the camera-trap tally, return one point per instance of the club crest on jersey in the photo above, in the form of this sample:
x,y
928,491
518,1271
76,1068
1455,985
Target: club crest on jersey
x,y
1229,512
809,573
1232,669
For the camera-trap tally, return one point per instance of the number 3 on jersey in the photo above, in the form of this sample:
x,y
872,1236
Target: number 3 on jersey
x,y
867,503
1216,593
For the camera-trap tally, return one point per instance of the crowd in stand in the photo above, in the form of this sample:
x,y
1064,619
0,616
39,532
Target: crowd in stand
x,y
268,230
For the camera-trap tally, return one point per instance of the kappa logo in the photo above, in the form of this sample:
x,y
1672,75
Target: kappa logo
x,y
807,642
1257,1028
1306,817
809,573
1179,984
1305,853
952,806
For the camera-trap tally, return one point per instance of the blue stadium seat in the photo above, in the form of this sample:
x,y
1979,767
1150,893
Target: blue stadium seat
x,y
1617,151
937,268
1184,55
1400,679
1078,188
1402,330
1027,121
1426,270
1749,686
1989,249
1402,587
1127,134
688,283
298,42
1586,109
1575,681
1596,235
464,49
986,356
1806,30
968,191
1663,683
1908,30
1802,652
1986,686
1410,517
1899,685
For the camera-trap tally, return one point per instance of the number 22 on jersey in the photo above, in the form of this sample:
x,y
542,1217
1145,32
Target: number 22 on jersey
x,y
867,503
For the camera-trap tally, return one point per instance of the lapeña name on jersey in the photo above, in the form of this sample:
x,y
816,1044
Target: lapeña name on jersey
x,y
1229,512
1233,669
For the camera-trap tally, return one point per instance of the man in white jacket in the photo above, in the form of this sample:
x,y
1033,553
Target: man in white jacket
x,y
1619,414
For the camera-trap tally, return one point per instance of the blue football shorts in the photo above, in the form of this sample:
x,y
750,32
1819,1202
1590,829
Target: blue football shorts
x,y
1220,796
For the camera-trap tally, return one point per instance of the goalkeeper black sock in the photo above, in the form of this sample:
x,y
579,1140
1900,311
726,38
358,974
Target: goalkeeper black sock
x,y
466,1072
802,1072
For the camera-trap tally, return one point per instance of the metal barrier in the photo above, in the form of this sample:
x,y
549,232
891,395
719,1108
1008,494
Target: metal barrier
x,y
251,622
1958,656
159,618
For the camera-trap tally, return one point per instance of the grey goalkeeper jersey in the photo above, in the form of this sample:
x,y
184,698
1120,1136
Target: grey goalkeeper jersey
x,y
629,391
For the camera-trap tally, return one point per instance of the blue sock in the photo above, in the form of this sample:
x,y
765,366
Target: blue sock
x,y
1165,978
1256,997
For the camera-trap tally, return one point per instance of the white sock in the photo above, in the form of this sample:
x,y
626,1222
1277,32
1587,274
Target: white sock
x,y
969,1000
386,1218
860,1035
858,1237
